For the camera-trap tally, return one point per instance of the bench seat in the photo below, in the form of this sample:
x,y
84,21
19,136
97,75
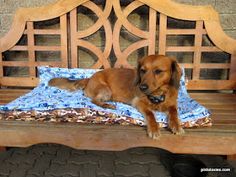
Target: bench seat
x,y
108,37
201,140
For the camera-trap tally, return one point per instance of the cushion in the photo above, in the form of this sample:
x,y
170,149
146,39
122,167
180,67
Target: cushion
x,y
56,103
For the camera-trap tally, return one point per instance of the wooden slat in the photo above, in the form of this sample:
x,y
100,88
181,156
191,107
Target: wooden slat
x,y
152,31
191,49
162,34
215,65
224,112
64,48
14,91
8,98
73,42
16,63
180,49
47,48
31,51
218,129
95,137
222,117
6,101
8,95
183,31
19,81
211,84
197,50
224,107
207,65
26,63
45,31
212,96
217,101
35,48
49,63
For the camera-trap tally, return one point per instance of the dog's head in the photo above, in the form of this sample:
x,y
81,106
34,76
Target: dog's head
x,y
156,74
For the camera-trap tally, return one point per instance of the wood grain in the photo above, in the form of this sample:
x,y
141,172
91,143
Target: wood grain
x,y
64,37
162,34
211,84
31,49
97,137
197,50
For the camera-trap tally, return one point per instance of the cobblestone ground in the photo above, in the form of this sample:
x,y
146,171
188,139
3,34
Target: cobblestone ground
x,y
49,160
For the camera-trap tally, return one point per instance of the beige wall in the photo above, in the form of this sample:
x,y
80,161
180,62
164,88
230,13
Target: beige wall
x,y
226,8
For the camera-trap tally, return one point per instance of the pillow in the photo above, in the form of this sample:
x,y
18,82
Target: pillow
x,y
46,99
47,73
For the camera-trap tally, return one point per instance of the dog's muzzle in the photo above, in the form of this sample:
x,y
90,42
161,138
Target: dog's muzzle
x,y
156,99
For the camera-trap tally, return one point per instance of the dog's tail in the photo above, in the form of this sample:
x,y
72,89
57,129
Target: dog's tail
x,y
67,84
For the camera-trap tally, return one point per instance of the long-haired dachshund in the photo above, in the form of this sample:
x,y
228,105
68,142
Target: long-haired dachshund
x,y
152,87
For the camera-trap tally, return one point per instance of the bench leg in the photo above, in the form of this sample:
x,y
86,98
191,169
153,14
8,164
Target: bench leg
x,y
231,157
2,148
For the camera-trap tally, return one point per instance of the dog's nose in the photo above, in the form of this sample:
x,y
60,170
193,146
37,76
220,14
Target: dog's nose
x,y
143,87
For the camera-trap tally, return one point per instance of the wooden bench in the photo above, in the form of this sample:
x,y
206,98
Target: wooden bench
x,y
20,54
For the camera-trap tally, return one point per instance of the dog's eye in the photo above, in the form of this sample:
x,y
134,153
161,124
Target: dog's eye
x,y
142,71
157,71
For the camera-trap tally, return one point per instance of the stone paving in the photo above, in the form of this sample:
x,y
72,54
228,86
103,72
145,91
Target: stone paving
x,y
50,160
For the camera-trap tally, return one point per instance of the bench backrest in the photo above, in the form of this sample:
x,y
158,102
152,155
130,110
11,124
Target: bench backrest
x,y
105,33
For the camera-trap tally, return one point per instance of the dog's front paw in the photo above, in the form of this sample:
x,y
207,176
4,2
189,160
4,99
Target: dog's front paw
x,y
176,129
179,131
153,132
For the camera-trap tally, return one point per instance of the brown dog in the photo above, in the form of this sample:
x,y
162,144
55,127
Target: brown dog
x,y
152,87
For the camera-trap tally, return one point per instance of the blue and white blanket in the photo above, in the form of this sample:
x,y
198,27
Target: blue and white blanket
x,y
45,98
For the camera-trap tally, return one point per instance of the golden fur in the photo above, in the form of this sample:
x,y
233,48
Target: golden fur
x,y
152,87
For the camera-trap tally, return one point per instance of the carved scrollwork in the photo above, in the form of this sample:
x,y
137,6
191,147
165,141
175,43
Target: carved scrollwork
x,y
123,21
112,39
101,22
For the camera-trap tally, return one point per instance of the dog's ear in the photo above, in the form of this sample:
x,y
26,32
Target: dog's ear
x,y
175,74
138,77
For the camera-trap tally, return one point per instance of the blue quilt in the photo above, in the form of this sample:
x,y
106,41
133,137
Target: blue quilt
x,y
44,98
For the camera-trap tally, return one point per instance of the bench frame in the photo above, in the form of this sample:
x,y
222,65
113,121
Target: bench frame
x,y
215,140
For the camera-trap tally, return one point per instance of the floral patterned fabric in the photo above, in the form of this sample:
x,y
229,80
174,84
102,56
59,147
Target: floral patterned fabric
x,y
46,98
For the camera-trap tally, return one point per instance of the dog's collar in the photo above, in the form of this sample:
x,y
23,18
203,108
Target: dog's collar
x,y
156,99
